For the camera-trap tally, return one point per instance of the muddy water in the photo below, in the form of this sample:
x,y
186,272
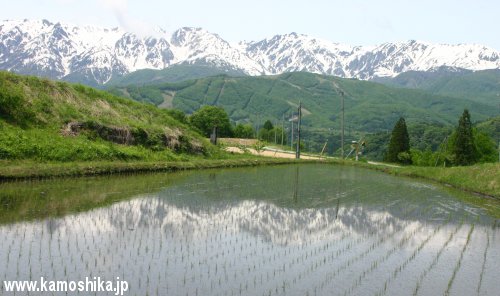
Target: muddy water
x,y
284,230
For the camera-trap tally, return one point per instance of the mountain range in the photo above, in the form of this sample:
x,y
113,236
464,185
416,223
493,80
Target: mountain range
x,y
96,56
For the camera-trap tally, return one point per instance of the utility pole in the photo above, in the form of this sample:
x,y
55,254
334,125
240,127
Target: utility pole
x,y
342,124
291,141
275,136
282,129
257,128
297,152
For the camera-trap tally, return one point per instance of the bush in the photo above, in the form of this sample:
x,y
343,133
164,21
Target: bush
x,y
243,131
486,148
404,157
207,117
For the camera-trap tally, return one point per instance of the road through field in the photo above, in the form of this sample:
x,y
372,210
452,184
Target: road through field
x,y
268,152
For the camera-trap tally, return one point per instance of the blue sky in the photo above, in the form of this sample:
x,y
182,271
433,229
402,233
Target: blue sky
x,y
355,22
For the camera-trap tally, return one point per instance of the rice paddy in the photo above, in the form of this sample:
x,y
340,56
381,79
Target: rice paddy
x,y
307,229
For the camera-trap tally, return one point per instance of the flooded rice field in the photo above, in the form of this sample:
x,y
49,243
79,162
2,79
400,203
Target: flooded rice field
x,y
283,230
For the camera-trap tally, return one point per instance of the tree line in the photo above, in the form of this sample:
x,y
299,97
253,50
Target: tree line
x,y
464,146
208,117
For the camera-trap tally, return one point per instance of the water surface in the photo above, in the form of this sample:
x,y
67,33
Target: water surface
x,y
284,230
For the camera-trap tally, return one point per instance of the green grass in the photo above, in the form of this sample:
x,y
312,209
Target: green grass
x,y
480,178
49,145
483,178
27,169
35,115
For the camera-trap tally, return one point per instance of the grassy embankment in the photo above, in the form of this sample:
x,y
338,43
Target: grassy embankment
x,y
44,121
17,170
50,128
481,178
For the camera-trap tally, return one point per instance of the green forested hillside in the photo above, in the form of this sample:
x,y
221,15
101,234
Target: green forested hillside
x,y
479,86
369,107
56,121
174,73
491,127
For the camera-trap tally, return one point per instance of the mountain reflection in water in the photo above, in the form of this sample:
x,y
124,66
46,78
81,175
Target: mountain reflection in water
x,y
287,230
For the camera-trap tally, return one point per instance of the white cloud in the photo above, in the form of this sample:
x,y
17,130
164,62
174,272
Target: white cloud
x,y
65,1
126,21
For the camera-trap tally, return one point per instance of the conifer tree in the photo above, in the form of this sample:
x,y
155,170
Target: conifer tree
x,y
463,146
399,146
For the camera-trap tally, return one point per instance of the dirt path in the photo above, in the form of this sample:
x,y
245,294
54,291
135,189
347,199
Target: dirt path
x,y
384,164
268,153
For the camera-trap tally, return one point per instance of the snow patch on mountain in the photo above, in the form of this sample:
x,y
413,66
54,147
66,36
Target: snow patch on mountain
x,y
93,54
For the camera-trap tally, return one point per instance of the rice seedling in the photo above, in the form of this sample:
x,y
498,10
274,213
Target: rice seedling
x,y
206,236
457,267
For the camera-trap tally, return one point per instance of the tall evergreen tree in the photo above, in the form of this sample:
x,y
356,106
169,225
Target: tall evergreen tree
x,y
399,145
463,146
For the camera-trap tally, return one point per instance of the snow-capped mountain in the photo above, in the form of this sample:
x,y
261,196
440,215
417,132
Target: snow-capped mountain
x,y
96,55
195,45
294,52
